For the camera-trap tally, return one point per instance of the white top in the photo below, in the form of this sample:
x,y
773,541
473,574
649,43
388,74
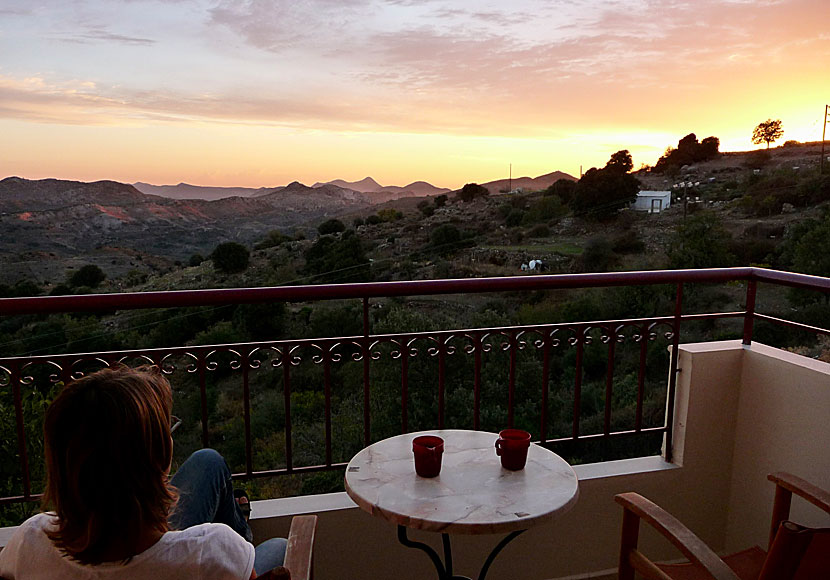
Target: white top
x,y
203,552
473,494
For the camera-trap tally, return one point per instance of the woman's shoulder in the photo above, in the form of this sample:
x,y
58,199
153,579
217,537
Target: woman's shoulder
x,y
37,525
209,531
217,536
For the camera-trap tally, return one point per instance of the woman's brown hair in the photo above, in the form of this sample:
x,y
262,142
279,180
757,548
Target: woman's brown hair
x,y
108,451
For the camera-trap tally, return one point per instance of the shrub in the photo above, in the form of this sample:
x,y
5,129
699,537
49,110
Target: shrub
x,y
441,200
426,208
540,231
338,260
358,221
389,214
89,275
628,243
445,234
373,220
230,257
757,159
514,218
598,256
544,210
471,191
332,226
195,260
275,238
563,189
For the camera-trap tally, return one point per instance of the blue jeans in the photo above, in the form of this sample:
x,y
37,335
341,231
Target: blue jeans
x,y
206,495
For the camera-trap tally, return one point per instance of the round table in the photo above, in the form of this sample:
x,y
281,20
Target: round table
x,y
473,494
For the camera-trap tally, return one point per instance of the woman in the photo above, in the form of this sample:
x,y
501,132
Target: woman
x,y
108,449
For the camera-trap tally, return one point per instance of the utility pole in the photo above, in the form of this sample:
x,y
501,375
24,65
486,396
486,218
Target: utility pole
x,y
823,132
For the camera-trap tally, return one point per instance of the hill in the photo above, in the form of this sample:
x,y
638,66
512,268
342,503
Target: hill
x,y
49,221
526,183
187,191
382,193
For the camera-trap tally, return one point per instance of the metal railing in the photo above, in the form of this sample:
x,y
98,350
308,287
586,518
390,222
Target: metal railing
x,y
371,351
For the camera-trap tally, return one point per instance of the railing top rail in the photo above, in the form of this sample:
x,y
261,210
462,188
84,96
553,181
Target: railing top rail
x,y
213,297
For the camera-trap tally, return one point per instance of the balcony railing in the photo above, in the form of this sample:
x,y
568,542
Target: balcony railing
x,y
433,379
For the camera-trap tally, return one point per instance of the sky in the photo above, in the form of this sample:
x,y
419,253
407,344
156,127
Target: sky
x,y
265,92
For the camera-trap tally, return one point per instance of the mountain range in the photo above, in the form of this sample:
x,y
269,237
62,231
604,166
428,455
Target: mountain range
x,y
375,192
50,219
50,223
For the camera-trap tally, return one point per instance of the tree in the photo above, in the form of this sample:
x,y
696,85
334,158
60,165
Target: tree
x,y
563,189
620,161
332,226
338,260
230,257
426,208
700,242
768,131
445,235
601,192
89,275
688,151
389,214
471,191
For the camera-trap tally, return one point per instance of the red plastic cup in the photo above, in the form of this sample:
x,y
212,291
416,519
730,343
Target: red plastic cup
x,y
428,451
512,446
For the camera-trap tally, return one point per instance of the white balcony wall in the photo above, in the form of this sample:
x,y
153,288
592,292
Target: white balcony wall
x,y
741,412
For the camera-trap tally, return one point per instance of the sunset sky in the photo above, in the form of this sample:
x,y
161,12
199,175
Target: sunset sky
x,y
264,92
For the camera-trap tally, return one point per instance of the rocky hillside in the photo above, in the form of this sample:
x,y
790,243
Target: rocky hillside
x,y
49,221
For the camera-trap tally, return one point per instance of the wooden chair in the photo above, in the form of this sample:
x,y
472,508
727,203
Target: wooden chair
x,y
298,553
795,552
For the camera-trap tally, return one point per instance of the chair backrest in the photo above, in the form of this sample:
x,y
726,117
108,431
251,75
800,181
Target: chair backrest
x,y
795,551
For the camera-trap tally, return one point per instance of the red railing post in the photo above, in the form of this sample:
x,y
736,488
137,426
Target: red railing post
x,y
749,317
511,385
673,370
367,431
16,381
246,409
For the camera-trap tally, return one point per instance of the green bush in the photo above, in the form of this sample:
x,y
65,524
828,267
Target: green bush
x,y
230,257
332,226
274,239
89,275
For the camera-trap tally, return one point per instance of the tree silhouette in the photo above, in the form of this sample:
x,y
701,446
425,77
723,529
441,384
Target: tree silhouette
x,y
768,131
89,275
230,257
471,191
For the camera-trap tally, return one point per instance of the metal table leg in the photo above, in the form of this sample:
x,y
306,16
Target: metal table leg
x,y
444,569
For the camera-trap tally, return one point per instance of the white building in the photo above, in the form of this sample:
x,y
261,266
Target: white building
x,y
652,201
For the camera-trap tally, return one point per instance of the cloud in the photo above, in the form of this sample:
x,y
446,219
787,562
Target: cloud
x,y
101,35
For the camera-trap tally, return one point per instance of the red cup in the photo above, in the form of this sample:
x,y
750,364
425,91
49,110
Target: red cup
x,y
428,451
512,446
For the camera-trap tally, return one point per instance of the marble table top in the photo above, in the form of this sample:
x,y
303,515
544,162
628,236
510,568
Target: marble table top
x,y
473,494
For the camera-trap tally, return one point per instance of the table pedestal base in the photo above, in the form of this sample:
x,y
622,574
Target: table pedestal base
x,y
444,568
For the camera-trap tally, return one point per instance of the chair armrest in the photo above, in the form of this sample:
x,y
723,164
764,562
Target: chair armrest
x,y
814,494
679,535
300,549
